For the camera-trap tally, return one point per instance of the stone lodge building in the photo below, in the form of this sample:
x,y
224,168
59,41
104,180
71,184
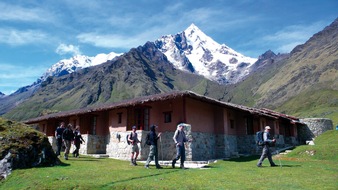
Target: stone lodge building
x,y
217,129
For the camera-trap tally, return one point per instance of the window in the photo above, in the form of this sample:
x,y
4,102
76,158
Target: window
x,y
232,123
94,120
139,117
167,117
249,126
119,118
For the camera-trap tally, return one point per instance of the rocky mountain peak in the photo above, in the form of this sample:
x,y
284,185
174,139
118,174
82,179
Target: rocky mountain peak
x,y
77,62
193,51
267,55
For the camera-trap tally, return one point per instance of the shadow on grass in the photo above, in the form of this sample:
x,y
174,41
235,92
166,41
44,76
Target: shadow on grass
x,y
243,159
252,158
139,177
281,166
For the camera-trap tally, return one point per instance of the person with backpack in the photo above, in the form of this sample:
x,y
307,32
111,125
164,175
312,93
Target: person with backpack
x,y
152,138
132,138
77,141
58,136
266,153
68,137
180,138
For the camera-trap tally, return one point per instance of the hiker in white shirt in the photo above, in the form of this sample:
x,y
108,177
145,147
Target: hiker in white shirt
x,y
180,138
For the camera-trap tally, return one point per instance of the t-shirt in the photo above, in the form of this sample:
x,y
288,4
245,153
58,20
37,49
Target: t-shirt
x,y
59,132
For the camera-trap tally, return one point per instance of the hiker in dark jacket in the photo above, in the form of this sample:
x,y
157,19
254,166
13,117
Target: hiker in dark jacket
x,y
266,153
68,137
58,137
77,141
153,137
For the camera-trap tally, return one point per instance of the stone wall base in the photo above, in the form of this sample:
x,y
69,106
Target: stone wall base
x,y
204,146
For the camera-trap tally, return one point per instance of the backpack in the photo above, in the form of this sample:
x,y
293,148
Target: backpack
x,y
260,139
148,139
68,134
127,138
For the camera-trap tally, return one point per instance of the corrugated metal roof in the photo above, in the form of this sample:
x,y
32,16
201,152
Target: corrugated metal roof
x,y
160,97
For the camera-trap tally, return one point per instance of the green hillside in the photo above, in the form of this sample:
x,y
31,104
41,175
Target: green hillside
x,y
304,84
140,72
325,148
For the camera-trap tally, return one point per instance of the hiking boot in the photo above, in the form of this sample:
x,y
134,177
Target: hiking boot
x,y
173,163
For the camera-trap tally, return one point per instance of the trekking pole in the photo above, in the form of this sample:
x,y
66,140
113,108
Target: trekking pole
x,y
280,163
161,149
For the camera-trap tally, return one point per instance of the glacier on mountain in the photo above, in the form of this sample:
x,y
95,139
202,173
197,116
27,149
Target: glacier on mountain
x,y
194,51
191,50
75,63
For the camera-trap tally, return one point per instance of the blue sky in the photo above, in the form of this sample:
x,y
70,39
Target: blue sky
x,y
36,34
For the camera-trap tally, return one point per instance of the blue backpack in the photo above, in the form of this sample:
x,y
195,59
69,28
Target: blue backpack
x,y
260,139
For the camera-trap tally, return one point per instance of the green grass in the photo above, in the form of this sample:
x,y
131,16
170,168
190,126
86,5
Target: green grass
x,y
296,171
91,173
325,148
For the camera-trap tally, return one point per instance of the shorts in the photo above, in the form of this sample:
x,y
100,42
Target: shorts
x,y
134,148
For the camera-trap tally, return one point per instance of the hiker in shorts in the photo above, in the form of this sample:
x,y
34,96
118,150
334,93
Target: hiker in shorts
x,y
266,153
180,138
153,154
134,147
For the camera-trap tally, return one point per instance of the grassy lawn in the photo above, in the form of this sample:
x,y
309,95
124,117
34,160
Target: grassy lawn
x,y
297,170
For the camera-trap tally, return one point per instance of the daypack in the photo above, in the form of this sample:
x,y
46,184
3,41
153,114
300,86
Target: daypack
x,y
148,139
260,139
68,134
127,138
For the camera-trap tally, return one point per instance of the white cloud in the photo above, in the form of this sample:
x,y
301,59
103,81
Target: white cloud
x,y
21,37
63,49
110,41
11,12
289,37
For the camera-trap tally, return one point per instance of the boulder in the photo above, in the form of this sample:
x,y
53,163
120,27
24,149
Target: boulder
x,y
23,147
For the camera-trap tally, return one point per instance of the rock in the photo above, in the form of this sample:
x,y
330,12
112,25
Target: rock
x,y
23,147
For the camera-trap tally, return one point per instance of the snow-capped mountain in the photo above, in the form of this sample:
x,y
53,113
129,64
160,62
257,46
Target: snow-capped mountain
x,y
194,51
190,50
77,62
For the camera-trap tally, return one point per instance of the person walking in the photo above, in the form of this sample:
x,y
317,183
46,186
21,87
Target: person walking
x,y
133,139
58,136
134,147
152,138
266,153
68,137
180,138
77,141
